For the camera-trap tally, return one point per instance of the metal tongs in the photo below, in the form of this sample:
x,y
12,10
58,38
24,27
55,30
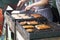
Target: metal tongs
x,y
26,11
22,11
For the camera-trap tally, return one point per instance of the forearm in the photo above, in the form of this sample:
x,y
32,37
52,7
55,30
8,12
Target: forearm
x,y
21,2
40,3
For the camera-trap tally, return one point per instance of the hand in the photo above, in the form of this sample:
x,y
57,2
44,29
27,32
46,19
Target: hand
x,y
28,7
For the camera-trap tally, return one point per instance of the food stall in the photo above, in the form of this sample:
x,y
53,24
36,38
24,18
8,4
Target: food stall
x,y
30,26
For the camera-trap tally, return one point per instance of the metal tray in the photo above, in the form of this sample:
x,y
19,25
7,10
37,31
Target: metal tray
x,y
41,19
53,32
38,34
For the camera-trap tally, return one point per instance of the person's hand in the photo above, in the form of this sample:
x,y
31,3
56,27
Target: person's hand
x,y
28,7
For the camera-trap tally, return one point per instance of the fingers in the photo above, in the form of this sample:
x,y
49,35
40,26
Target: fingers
x,y
29,8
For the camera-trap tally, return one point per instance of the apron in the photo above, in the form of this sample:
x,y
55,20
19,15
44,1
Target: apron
x,y
44,11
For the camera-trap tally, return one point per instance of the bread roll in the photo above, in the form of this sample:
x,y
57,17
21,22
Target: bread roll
x,y
23,23
26,17
21,14
28,26
42,26
36,15
15,16
32,22
29,30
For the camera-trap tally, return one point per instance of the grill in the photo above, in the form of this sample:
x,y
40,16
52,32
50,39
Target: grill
x,y
54,31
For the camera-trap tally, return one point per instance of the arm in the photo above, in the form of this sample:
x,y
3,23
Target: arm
x,y
40,3
21,2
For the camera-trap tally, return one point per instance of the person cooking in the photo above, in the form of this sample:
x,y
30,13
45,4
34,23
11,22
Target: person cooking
x,y
41,6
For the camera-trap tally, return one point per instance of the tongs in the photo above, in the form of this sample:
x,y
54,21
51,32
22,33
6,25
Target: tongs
x,y
22,11
26,11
